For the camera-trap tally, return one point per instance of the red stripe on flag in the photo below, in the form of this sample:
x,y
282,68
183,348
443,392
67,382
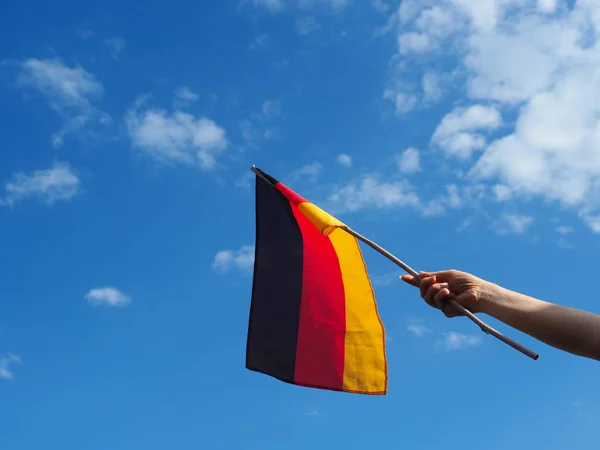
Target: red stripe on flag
x,y
294,198
322,326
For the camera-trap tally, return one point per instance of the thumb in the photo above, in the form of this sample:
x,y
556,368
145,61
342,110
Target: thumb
x,y
442,276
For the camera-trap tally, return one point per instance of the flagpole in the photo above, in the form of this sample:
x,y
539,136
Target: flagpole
x,y
484,327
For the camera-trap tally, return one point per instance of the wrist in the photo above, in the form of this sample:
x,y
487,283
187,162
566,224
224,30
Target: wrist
x,y
488,297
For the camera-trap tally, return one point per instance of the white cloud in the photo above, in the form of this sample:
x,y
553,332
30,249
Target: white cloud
x,y
409,161
403,101
245,181
248,131
380,6
184,96
541,68
370,193
432,90
457,134
84,33
59,183
418,329
70,91
242,259
563,229
271,5
344,160
253,131
313,413
309,171
335,5
456,341
547,6
454,197
175,137
5,363
564,244
385,279
62,85
116,46
513,223
271,133
434,208
271,109
276,6
306,25
502,192
413,42
259,42
107,296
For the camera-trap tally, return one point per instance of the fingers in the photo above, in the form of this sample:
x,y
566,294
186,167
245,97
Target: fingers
x,y
410,280
434,290
427,292
443,276
437,295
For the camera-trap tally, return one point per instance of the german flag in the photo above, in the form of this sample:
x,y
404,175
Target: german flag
x,y
313,317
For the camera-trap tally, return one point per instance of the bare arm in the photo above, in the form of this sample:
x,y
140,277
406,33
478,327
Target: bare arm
x,y
569,329
562,327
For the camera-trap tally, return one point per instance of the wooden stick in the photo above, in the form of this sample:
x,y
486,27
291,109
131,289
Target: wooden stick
x,y
484,327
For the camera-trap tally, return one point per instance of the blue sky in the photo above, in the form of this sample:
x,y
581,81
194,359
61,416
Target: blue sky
x,y
458,134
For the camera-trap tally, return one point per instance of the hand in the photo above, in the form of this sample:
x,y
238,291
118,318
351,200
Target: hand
x,y
437,288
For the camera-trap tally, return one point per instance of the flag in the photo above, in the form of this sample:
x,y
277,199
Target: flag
x,y
313,317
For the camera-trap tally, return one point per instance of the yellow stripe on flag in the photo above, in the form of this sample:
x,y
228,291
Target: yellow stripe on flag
x,y
324,221
365,367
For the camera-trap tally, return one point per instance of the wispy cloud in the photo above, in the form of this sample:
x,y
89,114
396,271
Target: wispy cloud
x,y
175,137
271,109
184,96
403,101
454,197
385,279
5,363
107,296
313,413
370,192
271,5
380,6
59,183
84,33
242,259
308,172
277,6
509,223
344,160
409,161
260,124
564,229
70,91
431,84
459,134
259,42
116,46
245,181
417,329
457,341
306,25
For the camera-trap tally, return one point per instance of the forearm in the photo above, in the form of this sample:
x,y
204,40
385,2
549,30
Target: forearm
x,y
565,328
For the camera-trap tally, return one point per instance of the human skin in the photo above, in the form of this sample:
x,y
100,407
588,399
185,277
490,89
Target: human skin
x,y
565,328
